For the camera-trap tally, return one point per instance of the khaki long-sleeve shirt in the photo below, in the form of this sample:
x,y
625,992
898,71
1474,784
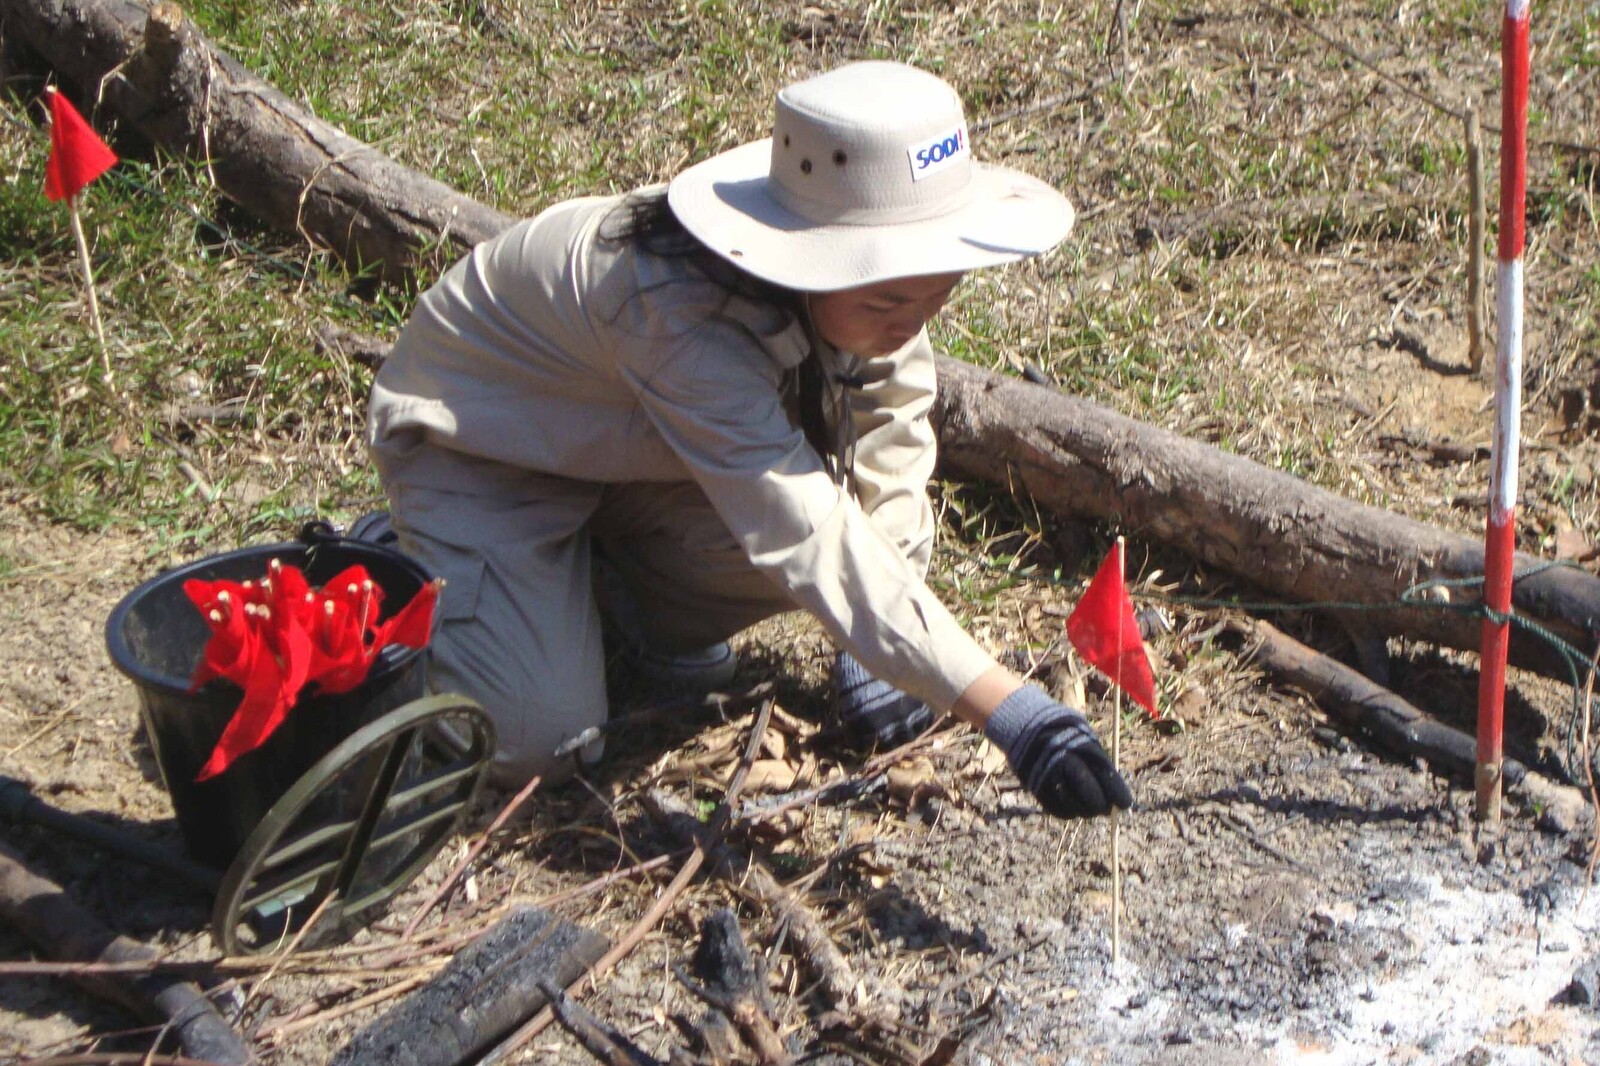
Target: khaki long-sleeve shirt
x,y
551,349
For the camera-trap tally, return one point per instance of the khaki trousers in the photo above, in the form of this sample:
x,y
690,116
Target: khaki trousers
x,y
518,627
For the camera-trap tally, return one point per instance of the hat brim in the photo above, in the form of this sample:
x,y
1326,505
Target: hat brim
x,y
725,203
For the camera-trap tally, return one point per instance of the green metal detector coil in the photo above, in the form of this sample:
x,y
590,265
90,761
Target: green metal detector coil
x,y
409,777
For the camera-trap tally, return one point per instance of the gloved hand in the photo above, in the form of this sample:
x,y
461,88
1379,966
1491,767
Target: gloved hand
x,y
872,711
1056,755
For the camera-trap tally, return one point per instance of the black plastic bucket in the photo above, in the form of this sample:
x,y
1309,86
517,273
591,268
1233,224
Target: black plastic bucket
x,y
156,636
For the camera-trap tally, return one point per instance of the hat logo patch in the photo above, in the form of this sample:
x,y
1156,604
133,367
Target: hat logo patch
x,y
937,153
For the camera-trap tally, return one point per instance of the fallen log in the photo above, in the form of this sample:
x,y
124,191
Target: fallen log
x,y
1306,544
1371,711
163,79
1278,532
39,909
1071,456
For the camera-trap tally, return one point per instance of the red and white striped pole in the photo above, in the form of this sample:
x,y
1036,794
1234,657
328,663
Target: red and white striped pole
x,y
1500,538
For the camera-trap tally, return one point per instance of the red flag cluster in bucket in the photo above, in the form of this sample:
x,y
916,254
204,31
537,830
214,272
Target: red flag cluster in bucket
x,y
275,636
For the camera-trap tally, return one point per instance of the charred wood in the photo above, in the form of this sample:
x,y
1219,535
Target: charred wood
x,y
486,991
606,1046
730,981
837,980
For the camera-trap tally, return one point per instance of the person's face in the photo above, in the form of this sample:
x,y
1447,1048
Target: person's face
x,y
880,318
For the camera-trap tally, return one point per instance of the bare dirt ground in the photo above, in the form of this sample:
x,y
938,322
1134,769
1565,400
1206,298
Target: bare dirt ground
x,y
1291,895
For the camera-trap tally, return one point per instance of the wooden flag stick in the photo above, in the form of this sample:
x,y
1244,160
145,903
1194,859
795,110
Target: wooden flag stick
x,y
1116,842
1116,764
88,283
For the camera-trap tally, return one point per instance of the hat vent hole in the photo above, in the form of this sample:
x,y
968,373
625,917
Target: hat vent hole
x,y
839,157
805,166
786,140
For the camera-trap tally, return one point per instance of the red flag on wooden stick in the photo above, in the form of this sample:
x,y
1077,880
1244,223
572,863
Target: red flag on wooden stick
x,y
77,154
1103,629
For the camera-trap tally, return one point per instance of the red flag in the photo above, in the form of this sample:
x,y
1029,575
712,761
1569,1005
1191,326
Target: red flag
x,y
1103,629
265,705
77,154
413,624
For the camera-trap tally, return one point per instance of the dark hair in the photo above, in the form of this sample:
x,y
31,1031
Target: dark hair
x,y
646,220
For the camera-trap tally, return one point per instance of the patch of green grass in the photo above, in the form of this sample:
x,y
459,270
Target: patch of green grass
x,y
1585,42
218,403
1242,187
1009,533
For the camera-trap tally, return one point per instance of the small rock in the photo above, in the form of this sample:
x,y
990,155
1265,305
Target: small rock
x,y
1585,987
1033,928
1543,897
1153,622
1398,888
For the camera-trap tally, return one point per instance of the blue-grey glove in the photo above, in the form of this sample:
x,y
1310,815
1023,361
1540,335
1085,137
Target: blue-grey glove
x,y
1056,755
872,711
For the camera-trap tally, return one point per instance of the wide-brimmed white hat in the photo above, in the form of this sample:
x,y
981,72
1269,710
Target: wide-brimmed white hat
x,y
868,176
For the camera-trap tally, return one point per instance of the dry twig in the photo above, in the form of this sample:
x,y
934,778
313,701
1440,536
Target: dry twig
x,y
589,888
753,1025
609,1048
734,985
117,1058
989,966
668,899
277,964
279,1030
1475,228
472,853
837,979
